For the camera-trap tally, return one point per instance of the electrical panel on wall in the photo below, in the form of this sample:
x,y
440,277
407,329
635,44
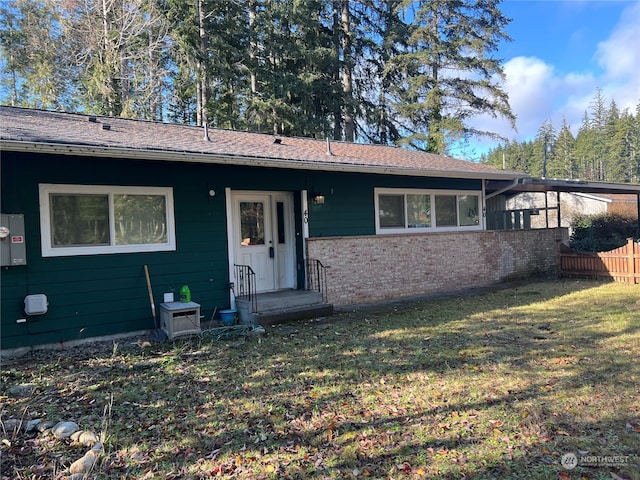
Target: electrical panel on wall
x,y
13,249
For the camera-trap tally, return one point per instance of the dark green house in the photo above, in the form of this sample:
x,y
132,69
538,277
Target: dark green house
x,y
87,202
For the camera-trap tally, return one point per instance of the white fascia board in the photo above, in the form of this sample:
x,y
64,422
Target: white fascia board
x,y
592,197
222,159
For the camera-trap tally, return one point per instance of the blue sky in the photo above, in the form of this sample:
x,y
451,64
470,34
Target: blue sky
x,y
561,52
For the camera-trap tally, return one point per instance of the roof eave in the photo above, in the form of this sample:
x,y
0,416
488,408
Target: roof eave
x,y
225,159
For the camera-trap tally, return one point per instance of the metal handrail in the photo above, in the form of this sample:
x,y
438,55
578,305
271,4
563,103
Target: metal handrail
x,y
245,285
517,219
316,277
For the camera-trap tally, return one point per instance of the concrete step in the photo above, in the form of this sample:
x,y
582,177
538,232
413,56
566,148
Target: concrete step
x,y
287,299
283,306
283,315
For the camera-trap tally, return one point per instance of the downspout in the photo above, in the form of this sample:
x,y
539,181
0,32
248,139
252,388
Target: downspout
x,y
485,197
502,190
230,246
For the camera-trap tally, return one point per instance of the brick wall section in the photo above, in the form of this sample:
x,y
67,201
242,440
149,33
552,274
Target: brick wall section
x,y
381,267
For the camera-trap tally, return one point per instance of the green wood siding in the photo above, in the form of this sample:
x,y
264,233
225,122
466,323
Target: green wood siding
x,y
98,295
349,199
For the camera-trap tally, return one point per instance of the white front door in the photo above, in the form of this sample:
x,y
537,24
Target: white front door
x,y
263,237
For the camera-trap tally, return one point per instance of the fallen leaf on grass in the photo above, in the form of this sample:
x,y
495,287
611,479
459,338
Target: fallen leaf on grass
x,y
616,477
635,428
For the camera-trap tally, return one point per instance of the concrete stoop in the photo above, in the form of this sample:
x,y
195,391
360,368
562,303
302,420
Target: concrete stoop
x,y
283,306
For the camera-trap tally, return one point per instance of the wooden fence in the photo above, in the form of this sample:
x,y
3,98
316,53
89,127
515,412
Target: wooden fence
x,y
620,265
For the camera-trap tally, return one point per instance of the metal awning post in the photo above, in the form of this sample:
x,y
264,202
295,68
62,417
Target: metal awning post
x,y
546,207
638,201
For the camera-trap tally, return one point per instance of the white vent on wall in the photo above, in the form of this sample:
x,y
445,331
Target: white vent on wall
x,y
35,304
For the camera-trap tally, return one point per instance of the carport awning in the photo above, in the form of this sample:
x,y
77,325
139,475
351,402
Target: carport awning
x,y
557,185
544,185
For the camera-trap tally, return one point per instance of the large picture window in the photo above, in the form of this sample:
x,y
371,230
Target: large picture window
x,y
399,211
90,219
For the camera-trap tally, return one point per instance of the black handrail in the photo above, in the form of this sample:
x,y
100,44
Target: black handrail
x,y
518,219
245,285
316,277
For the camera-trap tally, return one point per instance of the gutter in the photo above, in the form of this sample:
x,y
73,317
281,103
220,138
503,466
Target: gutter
x,y
240,160
515,183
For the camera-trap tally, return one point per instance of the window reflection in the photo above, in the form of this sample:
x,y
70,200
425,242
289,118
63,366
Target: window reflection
x,y
252,223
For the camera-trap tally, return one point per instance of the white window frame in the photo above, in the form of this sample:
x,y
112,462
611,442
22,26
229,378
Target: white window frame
x,y
432,193
48,250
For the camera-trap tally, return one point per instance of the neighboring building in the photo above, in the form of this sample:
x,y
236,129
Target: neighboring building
x,y
572,204
89,202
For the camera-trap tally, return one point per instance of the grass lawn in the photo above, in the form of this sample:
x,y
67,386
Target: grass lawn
x,y
498,385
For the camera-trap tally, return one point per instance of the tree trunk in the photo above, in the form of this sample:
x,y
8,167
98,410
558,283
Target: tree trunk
x,y
337,106
106,59
253,47
202,80
347,83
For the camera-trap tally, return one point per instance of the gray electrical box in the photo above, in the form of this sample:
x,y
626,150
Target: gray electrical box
x,y
13,250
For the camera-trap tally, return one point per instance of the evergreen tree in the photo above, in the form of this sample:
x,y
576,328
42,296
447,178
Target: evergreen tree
x,y
448,71
388,71
543,147
383,37
565,152
604,149
38,70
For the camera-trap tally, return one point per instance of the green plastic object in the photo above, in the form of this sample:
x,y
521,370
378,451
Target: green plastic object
x,y
185,294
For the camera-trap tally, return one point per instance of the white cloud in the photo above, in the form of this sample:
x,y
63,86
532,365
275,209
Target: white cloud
x,y
539,92
619,55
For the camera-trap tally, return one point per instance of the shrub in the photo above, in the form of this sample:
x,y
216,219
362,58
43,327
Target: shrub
x,y
602,232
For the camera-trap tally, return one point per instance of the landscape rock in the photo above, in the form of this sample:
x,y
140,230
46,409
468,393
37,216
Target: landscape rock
x,y
22,390
76,476
11,425
85,437
86,463
64,429
31,425
46,425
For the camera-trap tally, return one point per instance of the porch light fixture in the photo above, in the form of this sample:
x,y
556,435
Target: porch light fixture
x,y
318,199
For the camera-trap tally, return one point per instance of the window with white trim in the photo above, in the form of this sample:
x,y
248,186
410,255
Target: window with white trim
x,y
401,210
99,219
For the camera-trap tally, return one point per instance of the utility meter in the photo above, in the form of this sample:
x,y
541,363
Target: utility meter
x,y
12,246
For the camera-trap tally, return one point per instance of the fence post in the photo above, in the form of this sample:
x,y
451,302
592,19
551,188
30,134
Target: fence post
x,y
632,262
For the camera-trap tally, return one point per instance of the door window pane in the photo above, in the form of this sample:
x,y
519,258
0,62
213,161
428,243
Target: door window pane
x,y
418,211
140,219
446,211
252,223
79,220
468,210
391,211
280,220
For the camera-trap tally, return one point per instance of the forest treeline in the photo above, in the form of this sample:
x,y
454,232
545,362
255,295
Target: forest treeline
x,y
605,148
404,72
401,72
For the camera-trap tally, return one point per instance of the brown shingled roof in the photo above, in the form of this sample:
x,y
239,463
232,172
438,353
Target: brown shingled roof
x,y
72,133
